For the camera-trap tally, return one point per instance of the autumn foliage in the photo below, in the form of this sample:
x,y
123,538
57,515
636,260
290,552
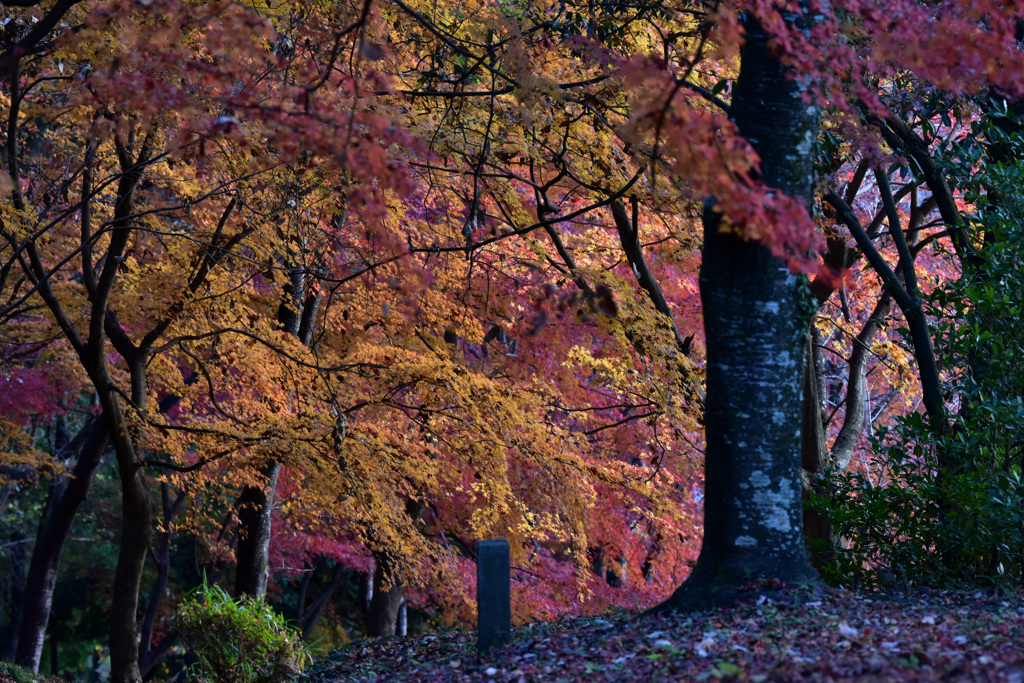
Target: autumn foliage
x,y
427,273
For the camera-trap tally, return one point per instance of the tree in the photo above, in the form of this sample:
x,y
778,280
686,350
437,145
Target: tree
x,y
179,198
120,129
777,69
425,274
756,320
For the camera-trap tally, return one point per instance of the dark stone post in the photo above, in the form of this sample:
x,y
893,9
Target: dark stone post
x,y
493,594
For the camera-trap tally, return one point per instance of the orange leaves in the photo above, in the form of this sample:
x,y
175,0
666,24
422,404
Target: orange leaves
x,y
291,271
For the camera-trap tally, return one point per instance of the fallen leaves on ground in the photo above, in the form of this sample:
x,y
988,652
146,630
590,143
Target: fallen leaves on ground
x,y
790,635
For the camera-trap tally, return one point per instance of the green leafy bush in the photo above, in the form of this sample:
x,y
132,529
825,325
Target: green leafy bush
x,y
238,641
918,523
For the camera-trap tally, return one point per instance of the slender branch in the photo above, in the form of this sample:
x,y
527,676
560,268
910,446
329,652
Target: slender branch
x,y
9,59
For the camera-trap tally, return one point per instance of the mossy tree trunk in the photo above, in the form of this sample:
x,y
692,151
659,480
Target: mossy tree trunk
x,y
756,317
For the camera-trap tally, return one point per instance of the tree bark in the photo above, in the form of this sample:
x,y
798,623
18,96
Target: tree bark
x,y
309,616
66,497
297,315
817,526
254,508
857,390
817,459
15,588
756,319
149,656
382,613
136,534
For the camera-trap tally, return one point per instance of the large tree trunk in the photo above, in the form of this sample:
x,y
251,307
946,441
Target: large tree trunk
x,y
756,316
65,499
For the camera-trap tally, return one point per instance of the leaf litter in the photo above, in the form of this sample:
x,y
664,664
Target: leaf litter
x,y
787,635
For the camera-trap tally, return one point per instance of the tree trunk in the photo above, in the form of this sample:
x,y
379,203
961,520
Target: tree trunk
x,y
297,315
136,520
135,539
308,617
818,531
15,588
857,390
756,316
254,508
382,614
150,656
66,497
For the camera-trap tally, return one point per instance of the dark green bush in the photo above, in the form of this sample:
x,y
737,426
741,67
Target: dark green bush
x,y
963,527
238,641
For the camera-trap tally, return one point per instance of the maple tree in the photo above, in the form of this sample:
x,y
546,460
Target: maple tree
x,y
134,226
189,275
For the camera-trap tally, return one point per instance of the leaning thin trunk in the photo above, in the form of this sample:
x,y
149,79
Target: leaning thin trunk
x,y
308,617
629,237
66,497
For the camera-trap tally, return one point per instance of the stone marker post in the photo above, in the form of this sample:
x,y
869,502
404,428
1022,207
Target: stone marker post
x,y
493,594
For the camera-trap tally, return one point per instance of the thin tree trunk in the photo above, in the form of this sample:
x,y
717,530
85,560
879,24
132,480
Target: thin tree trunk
x,y
149,656
66,497
54,656
136,534
382,614
817,525
310,616
756,318
857,390
254,527
136,513
297,315
16,587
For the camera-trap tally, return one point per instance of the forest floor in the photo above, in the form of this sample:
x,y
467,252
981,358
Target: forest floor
x,y
778,636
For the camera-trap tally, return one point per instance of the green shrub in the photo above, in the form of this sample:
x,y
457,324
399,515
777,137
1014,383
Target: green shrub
x,y
238,641
16,674
899,533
